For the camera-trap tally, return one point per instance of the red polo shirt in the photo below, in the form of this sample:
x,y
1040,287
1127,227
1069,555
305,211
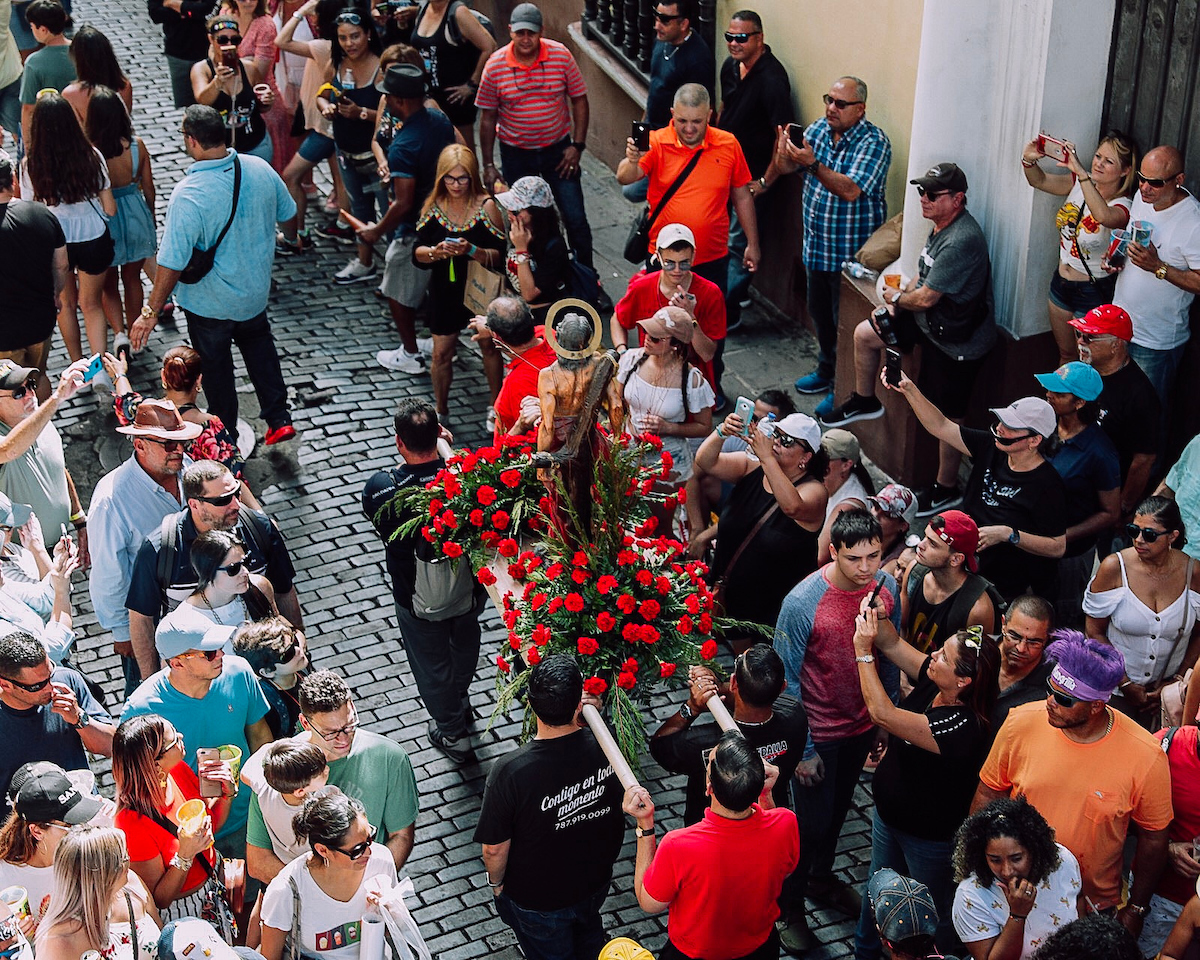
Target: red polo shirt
x,y
521,382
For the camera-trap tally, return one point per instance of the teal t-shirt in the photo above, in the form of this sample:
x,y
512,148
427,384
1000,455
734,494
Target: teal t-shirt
x,y
48,67
233,702
378,774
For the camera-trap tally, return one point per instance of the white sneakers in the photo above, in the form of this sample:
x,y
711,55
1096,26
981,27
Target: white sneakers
x,y
355,272
401,361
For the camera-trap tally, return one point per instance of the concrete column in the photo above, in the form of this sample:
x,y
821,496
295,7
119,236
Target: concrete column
x,y
990,77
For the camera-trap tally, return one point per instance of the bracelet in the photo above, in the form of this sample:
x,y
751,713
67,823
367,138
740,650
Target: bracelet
x,y
1028,164
812,167
472,249
495,886
147,312
867,659
76,517
1085,179
179,863
718,432
297,15
1018,916
1123,684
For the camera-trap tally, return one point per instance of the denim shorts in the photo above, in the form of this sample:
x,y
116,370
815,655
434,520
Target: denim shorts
x,y
316,147
1079,296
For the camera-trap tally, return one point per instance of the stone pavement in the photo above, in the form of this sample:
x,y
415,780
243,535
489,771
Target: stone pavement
x,y
327,337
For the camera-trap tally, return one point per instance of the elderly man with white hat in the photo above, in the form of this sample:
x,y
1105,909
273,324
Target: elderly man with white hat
x,y
127,504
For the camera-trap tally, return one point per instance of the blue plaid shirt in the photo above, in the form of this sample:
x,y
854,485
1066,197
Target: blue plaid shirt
x,y
834,228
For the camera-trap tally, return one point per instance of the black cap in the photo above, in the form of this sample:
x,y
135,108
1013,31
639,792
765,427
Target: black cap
x,y
405,80
943,176
13,376
51,796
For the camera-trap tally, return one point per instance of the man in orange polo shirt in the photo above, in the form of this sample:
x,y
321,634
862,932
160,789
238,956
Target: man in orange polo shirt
x,y
702,201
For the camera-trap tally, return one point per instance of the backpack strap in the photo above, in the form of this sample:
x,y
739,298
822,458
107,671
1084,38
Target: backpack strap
x,y
249,520
966,596
1168,737
168,548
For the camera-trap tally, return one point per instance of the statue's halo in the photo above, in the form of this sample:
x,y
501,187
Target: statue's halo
x,y
582,306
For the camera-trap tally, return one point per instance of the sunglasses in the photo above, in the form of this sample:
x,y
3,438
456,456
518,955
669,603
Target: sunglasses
x,y
1093,337
681,265
233,569
209,655
931,194
1009,441
18,393
170,446
30,687
349,17
667,17
229,40
840,104
785,441
170,745
740,37
1062,699
1157,181
224,499
359,849
463,180
650,339
1149,534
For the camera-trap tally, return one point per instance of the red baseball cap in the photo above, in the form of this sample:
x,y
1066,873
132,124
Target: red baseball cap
x,y
961,533
1106,319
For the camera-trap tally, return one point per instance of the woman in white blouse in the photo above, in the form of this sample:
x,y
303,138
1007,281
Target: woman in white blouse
x,y
1145,601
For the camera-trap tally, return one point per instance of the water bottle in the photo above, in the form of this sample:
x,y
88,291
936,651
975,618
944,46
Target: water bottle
x,y
857,270
348,78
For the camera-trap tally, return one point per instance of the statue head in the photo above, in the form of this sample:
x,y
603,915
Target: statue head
x,y
574,331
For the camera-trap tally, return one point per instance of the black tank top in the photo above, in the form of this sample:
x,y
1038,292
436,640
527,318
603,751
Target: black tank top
x,y
244,123
447,64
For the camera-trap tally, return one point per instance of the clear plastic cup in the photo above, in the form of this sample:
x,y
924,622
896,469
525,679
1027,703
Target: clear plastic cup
x,y
17,899
191,817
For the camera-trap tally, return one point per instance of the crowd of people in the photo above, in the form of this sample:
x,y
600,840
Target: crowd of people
x,y
1011,662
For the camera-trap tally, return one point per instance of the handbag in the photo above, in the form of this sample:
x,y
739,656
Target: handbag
x,y
201,261
224,889
482,287
638,241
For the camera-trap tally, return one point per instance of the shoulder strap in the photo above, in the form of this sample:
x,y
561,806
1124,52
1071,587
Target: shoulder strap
x,y
1168,737
132,925
237,187
755,530
249,521
293,941
453,33
965,598
674,187
168,547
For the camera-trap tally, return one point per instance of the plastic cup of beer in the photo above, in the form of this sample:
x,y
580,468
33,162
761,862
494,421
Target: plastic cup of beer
x,y
17,899
191,817
892,280
233,755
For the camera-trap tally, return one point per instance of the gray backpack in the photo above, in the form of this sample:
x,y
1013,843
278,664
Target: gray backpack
x,y
443,588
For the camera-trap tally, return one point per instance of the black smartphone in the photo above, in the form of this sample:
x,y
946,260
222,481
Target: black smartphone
x,y
875,592
641,135
893,367
796,134
229,57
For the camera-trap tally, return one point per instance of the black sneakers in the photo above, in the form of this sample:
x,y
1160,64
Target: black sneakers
x,y
936,498
855,408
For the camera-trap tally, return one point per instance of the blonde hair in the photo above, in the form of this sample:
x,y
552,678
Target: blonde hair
x,y
88,867
455,155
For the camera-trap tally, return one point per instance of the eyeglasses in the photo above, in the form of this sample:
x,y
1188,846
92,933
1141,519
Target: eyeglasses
x,y
18,393
683,266
740,37
345,731
349,17
1019,640
1009,441
209,655
667,17
461,181
359,849
1156,181
170,446
1062,699
840,104
229,40
233,569
1093,337
30,687
931,194
1149,534
224,499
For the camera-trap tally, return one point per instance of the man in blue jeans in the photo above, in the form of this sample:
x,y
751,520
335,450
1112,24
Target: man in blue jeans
x,y
228,304
551,824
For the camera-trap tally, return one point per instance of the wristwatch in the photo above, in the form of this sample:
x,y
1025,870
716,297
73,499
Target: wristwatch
x,y
686,712
83,721
1015,537
579,145
179,863
1138,909
639,832
1161,273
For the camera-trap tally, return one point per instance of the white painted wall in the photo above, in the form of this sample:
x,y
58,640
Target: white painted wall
x,y
990,76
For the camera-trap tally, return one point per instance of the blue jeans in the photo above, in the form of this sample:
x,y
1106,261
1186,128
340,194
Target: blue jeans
x,y
213,340
926,861
568,191
1160,366
572,933
10,109
364,189
443,655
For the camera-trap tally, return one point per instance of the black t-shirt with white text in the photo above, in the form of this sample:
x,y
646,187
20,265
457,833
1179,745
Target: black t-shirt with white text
x,y
559,803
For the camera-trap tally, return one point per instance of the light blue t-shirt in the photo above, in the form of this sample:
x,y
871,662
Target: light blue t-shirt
x,y
1184,479
233,702
237,286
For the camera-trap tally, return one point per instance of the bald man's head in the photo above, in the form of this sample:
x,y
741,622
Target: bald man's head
x,y
1160,176
1162,162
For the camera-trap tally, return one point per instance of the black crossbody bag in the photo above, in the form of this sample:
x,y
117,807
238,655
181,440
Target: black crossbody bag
x,y
637,244
202,261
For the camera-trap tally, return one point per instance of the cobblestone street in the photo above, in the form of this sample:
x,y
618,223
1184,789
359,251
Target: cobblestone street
x,y
342,403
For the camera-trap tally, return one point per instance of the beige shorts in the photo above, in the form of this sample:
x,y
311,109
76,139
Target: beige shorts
x,y
35,355
403,280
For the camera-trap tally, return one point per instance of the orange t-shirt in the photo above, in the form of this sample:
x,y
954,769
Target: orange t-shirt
x,y
1088,792
702,202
